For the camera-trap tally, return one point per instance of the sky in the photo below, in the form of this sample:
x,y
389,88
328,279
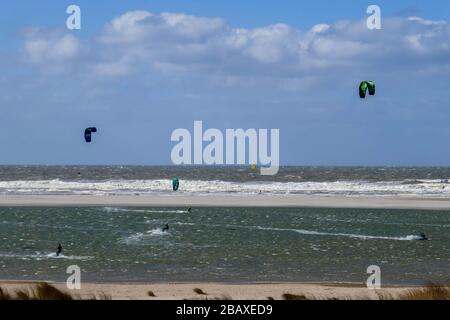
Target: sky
x,y
139,69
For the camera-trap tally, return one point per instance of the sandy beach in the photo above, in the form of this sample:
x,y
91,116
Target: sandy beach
x,y
181,291
298,201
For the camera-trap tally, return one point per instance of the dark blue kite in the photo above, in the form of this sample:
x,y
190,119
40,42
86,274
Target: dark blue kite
x,y
88,133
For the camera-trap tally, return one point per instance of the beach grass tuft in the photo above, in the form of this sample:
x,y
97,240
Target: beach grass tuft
x,y
428,292
199,291
45,291
223,297
4,295
100,296
431,291
290,296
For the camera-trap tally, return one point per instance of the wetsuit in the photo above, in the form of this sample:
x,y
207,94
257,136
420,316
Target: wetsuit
x,y
59,250
423,237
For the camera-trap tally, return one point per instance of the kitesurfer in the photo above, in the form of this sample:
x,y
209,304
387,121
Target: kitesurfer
x,y
58,250
423,237
175,184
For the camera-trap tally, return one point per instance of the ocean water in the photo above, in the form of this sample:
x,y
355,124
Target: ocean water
x,y
146,180
224,244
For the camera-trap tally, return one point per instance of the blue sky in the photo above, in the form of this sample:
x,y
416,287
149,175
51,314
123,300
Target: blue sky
x,y
140,69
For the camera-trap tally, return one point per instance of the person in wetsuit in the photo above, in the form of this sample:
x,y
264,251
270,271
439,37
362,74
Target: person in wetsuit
x,y
166,228
423,237
58,250
189,210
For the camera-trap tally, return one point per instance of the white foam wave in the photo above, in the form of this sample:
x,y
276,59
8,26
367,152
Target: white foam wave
x,y
312,232
185,223
140,237
113,209
64,257
349,235
43,256
434,188
157,232
134,238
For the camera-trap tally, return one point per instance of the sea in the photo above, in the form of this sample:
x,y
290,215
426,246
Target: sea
x,y
235,245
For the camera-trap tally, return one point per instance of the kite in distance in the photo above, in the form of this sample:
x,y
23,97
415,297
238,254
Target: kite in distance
x,y
364,86
88,134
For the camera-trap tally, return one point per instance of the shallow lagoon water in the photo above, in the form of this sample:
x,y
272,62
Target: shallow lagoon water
x,y
224,244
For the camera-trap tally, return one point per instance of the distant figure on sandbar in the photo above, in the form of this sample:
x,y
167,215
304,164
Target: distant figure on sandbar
x,y
166,228
58,250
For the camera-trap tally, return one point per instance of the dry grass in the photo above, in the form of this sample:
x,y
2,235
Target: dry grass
x,y
289,296
302,297
384,296
199,291
100,296
223,297
4,295
429,292
45,291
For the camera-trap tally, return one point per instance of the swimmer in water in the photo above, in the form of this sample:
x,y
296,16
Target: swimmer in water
x,y
166,228
58,250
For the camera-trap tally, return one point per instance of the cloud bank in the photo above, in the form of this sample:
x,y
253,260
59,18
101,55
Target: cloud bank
x,y
174,44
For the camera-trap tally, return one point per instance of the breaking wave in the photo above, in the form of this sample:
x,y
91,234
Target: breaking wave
x,y
349,235
434,188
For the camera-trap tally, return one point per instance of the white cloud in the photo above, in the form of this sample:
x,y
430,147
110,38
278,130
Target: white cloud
x,y
143,26
125,28
191,27
42,47
181,43
320,28
427,22
112,69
